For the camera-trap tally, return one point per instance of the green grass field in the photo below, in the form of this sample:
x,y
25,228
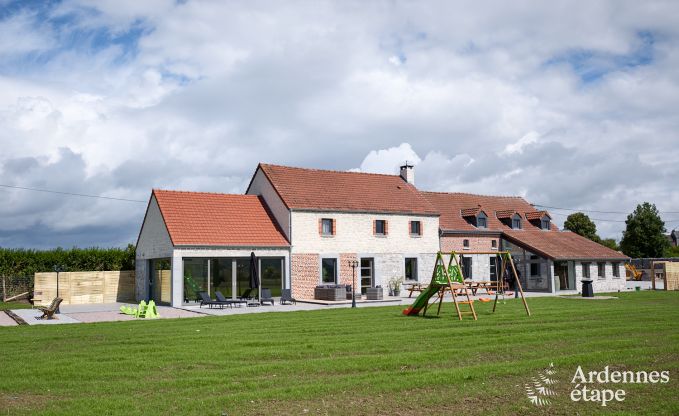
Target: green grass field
x,y
14,305
343,361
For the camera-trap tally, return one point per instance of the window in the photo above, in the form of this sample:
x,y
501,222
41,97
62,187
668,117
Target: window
x,y
465,243
481,221
493,244
545,223
329,270
493,268
616,269
467,267
415,228
535,269
411,269
516,222
380,227
601,269
327,226
585,270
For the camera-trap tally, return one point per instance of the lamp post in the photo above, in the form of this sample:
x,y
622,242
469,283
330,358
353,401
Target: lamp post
x,y
58,268
354,265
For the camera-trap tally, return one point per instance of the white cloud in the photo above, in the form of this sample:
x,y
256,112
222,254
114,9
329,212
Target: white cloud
x,y
209,89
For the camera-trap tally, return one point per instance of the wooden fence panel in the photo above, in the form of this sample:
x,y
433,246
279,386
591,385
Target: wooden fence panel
x,y
80,288
671,275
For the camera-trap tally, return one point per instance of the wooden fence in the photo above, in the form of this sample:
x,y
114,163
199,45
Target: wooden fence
x,y
671,272
79,288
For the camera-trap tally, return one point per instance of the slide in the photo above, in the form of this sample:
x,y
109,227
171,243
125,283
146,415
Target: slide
x,y
422,300
438,280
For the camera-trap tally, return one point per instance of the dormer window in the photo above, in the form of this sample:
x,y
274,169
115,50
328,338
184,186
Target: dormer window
x,y
540,219
481,220
516,222
475,216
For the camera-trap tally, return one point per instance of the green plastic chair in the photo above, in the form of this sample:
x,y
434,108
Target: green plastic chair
x,y
141,311
128,310
151,311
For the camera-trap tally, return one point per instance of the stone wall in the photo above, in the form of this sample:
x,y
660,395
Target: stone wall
x,y
476,243
607,283
305,274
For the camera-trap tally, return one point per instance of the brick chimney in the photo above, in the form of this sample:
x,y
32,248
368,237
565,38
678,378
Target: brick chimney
x,y
408,173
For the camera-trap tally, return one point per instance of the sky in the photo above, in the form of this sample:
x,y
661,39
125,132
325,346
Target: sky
x,y
569,104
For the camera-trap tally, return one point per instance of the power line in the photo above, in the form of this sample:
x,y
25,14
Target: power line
x,y
597,212
606,220
71,193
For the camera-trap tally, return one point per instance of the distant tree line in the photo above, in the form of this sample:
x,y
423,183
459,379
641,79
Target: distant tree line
x,y
16,262
644,235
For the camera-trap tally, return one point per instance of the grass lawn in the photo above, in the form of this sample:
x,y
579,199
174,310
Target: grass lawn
x,y
343,361
14,305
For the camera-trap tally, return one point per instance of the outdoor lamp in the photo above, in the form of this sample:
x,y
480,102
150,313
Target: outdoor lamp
x,y
353,264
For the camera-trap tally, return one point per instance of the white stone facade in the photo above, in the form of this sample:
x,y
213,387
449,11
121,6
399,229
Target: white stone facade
x,y
260,185
354,233
154,243
606,283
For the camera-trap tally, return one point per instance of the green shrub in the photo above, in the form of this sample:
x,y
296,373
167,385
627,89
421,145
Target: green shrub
x,y
27,262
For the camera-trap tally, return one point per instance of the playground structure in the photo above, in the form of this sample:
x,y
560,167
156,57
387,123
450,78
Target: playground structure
x,y
451,279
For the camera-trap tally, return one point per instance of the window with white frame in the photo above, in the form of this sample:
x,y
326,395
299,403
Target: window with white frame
x,y
585,270
601,270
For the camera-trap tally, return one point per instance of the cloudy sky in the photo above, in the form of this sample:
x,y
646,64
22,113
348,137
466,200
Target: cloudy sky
x,y
569,104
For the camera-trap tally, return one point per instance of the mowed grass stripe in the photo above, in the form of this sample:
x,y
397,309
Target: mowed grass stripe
x,y
324,361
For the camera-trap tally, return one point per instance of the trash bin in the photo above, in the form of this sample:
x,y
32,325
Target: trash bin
x,y
587,291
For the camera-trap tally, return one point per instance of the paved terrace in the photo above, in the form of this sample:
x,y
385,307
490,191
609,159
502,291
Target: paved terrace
x,y
110,312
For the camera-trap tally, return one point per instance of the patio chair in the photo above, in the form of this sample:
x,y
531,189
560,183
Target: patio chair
x,y
227,301
48,312
247,295
286,296
266,297
206,300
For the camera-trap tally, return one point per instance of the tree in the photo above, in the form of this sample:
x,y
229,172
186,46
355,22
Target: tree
x,y
610,243
580,224
644,236
672,251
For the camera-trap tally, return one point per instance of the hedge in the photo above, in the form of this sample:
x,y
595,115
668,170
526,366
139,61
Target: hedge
x,y
26,262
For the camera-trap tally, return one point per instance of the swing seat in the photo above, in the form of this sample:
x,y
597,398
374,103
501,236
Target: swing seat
x,y
484,300
509,293
491,292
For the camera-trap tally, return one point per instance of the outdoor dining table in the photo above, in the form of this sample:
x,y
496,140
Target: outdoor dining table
x,y
415,287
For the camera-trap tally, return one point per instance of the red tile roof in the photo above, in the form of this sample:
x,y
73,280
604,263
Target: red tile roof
x,y
327,190
537,215
450,205
207,219
470,212
561,245
506,213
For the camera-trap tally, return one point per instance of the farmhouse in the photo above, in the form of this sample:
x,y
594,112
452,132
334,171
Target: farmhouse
x,y
547,259
306,227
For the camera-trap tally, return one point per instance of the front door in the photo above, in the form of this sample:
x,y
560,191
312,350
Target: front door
x,y
561,272
367,273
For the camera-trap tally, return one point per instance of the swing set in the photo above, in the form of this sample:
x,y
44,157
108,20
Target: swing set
x,y
451,279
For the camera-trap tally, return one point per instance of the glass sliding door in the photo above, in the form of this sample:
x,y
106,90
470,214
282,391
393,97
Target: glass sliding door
x,y
367,273
221,277
271,270
242,276
195,278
